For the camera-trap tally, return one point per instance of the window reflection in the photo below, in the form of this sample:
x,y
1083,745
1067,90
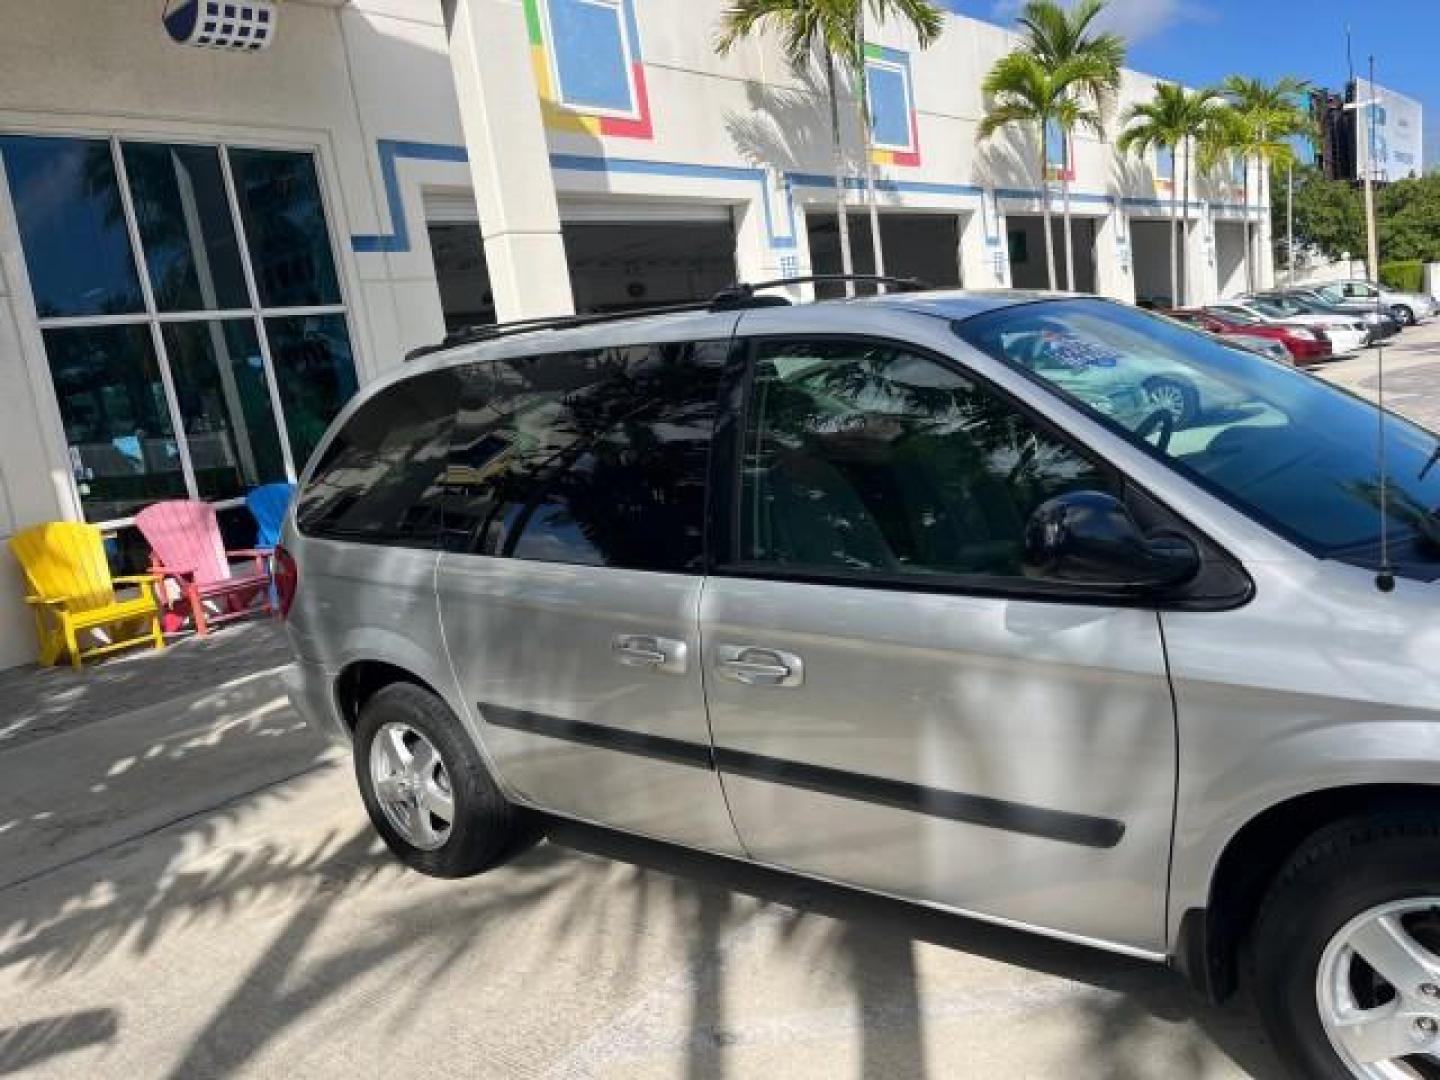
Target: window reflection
x,y
284,220
225,406
112,402
72,226
315,373
185,226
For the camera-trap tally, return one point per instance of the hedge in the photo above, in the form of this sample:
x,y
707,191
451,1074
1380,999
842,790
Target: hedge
x,y
1407,275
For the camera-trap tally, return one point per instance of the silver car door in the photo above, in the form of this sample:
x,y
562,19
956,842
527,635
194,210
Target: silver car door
x,y
570,592
893,704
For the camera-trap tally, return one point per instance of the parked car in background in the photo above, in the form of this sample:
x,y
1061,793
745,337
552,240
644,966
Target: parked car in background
x,y
1379,324
1347,333
881,592
1354,295
1269,348
1306,346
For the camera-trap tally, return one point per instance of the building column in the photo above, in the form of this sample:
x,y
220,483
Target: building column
x,y
1202,284
509,159
984,252
1114,263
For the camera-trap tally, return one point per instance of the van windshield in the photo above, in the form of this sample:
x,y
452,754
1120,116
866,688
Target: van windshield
x,y
1290,450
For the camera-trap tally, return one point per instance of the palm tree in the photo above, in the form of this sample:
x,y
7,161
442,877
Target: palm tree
x,y
927,21
1022,90
1056,36
1175,119
1262,121
806,27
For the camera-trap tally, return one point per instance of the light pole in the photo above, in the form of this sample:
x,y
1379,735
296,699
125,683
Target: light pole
x,y
1371,242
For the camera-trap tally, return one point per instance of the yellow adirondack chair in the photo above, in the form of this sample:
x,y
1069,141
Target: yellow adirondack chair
x,y
72,591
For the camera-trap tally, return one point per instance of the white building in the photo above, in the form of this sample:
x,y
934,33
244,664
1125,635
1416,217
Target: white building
x,y
203,250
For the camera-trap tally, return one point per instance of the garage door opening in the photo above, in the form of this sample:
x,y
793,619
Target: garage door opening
x,y
620,258
1230,258
1150,255
1026,236
918,245
625,265
461,273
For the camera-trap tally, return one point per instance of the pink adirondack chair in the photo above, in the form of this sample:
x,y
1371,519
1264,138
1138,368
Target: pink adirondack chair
x,y
186,548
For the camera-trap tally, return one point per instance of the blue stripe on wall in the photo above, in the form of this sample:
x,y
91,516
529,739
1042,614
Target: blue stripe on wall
x,y
398,239
390,151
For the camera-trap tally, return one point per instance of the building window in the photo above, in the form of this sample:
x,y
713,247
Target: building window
x,y
1057,147
592,55
190,310
1165,163
891,102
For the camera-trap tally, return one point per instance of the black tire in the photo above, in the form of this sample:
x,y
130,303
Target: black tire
x,y
1185,397
485,827
1404,314
1339,873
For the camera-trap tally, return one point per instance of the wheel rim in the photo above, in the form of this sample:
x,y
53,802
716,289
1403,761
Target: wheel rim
x,y
1378,991
1169,397
412,785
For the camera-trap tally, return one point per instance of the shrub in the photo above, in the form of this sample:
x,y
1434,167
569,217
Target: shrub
x,y
1407,275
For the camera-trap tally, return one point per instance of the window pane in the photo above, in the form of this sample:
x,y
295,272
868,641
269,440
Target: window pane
x,y
122,448
284,218
889,105
315,374
185,226
72,226
225,406
590,55
595,458
864,457
379,480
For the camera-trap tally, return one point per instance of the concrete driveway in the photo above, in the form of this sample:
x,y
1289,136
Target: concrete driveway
x,y
189,889
1412,373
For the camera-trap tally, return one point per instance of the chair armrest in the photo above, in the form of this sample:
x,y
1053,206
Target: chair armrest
x,y
171,571
138,579
250,553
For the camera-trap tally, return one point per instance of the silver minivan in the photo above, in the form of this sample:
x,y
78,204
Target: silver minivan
x,y
928,594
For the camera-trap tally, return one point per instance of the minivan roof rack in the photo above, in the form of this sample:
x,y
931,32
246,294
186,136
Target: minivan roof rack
x,y
734,297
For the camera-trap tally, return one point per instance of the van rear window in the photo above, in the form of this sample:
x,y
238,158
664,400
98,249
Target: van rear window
x,y
379,479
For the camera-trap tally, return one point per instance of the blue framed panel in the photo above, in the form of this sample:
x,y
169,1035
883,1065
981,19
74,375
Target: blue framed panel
x,y
592,54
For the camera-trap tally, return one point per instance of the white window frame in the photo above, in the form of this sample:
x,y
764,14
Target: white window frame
x,y
903,70
155,319
627,48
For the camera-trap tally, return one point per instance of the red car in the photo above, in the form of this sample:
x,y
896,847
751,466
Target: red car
x,y
1307,346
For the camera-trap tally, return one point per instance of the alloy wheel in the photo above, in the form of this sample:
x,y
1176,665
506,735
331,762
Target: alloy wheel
x,y
1378,991
412,785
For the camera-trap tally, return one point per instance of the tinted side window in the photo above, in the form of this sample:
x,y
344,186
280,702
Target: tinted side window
x,y
865,457
595,457
379,479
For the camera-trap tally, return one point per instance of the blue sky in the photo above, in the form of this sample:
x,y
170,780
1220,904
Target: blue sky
x,y
1201,41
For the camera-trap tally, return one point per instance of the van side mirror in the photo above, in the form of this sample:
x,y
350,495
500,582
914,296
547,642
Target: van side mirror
x,y
1089,538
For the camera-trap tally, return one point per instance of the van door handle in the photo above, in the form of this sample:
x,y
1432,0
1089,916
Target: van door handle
x,y
647,650
756,666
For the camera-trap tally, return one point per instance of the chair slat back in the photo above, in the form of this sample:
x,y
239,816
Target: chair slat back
x,y
184,534
65,559
269,504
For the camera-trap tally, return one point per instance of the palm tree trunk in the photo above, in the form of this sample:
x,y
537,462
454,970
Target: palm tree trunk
x,y
1175,300
1069,242
867,125
842,219
1185,230
1045,211
1245,224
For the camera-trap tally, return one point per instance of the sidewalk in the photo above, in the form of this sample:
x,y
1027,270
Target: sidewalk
x,y
46,701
